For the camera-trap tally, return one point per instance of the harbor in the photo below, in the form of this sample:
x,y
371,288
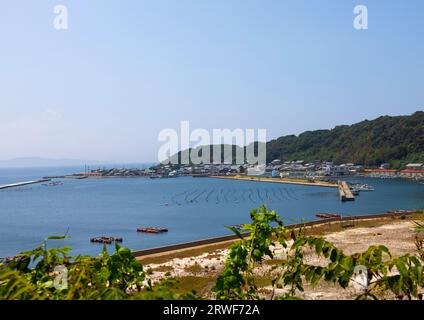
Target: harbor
x,y
190,208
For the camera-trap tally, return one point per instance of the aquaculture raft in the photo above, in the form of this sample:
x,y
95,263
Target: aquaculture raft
x,y
106,240
152,230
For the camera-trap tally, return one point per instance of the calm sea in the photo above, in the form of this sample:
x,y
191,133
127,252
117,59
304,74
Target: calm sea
x,y
192,208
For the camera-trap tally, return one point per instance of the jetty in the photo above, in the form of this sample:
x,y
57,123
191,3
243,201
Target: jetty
x,y
21,184
345,192
303,182
344,189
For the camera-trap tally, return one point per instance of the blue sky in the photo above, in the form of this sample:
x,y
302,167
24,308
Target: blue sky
x,y
127,69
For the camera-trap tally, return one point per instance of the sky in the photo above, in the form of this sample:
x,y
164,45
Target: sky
x,y
124,70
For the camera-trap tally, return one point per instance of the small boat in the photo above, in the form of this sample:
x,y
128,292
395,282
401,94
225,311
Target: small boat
x,y
106,240
355,192
53,184
365,187
152,230
322,216
400,211
354,189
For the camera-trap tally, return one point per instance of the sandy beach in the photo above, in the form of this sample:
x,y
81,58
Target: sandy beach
x,y
199,267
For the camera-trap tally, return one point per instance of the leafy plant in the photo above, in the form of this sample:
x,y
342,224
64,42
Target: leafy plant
x,y
237,281
401,277
32,274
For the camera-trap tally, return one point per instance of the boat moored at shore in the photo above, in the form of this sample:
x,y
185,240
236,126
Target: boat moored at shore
x,y
327,215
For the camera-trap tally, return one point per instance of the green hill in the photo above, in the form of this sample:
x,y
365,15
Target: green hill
x,y
386,139
394,140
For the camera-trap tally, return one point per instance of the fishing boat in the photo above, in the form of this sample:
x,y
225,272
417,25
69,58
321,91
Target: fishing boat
x,y
354,190
152,230
106,240
366,187
400,211
53,184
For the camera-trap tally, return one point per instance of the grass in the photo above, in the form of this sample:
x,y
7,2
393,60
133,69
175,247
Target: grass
x,y
273,262
203,285
163,268
262,281
214,255
195,268
200,285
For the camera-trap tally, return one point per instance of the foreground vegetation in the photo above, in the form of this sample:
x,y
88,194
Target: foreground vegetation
x,y
35,274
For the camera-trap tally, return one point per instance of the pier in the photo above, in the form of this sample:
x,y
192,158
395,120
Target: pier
x,y
21,184
344,189
345,192
302,182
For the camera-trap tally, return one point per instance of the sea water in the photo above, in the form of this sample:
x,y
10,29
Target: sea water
x,y
191,208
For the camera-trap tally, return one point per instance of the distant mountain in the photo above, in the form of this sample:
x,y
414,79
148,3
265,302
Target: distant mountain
x,y
33,162
395,139
44,162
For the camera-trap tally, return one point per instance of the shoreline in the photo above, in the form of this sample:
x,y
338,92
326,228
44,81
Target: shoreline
x,y
278,180
218,241
198,268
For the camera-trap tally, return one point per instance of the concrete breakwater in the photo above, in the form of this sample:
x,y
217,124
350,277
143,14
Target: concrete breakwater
x,y
345,192
344,189
21,184
279,180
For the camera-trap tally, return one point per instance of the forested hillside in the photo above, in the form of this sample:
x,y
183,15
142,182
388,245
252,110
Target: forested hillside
x,y
385,139
395,140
